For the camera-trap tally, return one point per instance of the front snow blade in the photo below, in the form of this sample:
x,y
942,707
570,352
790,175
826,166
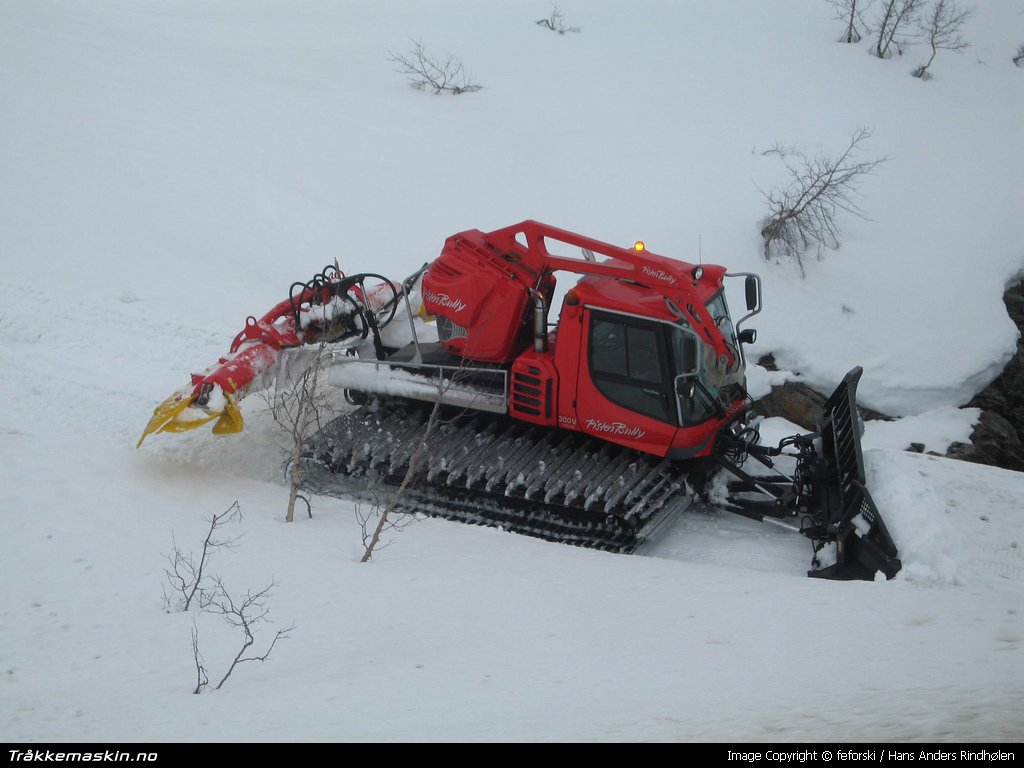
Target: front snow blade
x,y
850,538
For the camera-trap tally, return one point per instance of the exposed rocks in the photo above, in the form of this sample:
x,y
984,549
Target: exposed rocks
x,y
996,439
1005,395
797,402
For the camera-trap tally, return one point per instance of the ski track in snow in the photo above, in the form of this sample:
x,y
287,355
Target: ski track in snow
x,y
87,353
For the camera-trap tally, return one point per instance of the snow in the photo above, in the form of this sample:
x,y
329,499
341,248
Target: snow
x,y
171,168
760,380
936,430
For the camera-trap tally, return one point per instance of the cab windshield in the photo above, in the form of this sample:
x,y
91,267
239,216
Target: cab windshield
x,y
692,357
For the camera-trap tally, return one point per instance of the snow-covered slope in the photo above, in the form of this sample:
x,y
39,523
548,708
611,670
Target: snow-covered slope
x,y
168,169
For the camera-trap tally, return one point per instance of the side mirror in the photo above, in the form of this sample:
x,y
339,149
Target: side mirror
x,y
747,336
751,288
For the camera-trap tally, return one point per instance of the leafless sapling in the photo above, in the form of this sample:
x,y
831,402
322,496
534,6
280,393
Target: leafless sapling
x,y
187,575
897,16
389,515
386,519
555,21
803,211
432,73
243,614
202,679
940,27
850,12
299,406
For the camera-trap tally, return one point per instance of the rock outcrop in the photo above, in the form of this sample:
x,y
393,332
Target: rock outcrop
x,y
996,439
797,402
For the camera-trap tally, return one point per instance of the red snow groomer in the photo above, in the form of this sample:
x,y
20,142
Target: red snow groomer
x,y
594,429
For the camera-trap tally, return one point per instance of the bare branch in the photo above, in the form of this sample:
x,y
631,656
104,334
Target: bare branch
x,y
440,75
556,21
202,680
307,409
803,212
850,12
186,574
780,149
243,614
389,519
897,15
299,406
1018,57
384,521
941,30
189,578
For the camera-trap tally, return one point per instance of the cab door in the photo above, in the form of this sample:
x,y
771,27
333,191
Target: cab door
x,y
625,382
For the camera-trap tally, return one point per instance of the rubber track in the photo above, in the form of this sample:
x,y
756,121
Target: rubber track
x,y
492,470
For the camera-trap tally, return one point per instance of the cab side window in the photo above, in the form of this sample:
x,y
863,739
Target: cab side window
x,y
628,363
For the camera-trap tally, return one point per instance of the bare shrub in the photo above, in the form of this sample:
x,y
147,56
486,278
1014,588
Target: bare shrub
x,y
556,21
186,574
391,515
940,28
850,12
199,590
1018,57
244,614
803,212
380,519
202,678
897,16
299,407
386,518
431,73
